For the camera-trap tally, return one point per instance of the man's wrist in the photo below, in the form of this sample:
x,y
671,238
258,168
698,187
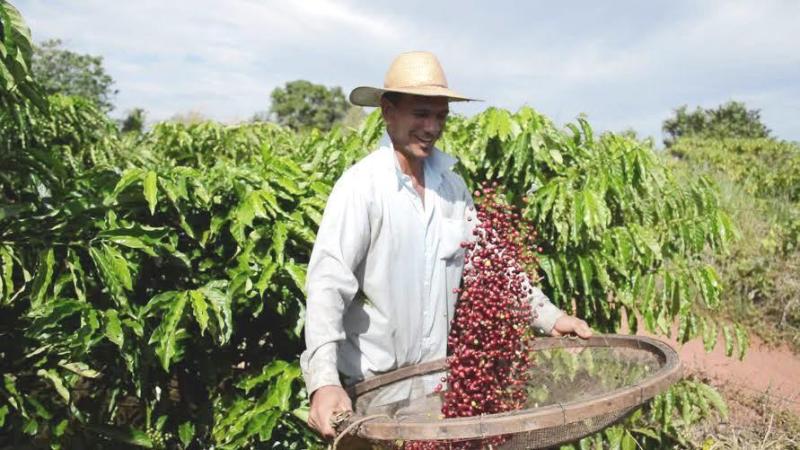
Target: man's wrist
x,y
311,395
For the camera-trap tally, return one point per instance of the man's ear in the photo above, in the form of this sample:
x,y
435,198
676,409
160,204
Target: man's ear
x,y
386,109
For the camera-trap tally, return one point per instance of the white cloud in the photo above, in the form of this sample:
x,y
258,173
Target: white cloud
x,y
626,63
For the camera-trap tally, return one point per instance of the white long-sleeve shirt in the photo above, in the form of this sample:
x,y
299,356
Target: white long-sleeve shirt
x,y
382,272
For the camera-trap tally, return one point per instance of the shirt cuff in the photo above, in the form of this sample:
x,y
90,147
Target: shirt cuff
x,y
545,313
320,369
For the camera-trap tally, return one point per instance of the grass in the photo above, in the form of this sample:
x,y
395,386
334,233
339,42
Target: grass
x,y
758,421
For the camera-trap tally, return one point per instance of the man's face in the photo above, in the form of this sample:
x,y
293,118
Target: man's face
x,y
415,123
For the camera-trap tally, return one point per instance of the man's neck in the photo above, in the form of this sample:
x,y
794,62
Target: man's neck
x,y
414,168
410,166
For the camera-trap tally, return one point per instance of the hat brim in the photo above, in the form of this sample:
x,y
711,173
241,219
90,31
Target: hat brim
x,y
371,96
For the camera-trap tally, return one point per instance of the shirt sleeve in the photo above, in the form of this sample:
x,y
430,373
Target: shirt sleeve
x,y
331,283
544,312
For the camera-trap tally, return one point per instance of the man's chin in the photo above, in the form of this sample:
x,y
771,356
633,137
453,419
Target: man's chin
x,y
422,150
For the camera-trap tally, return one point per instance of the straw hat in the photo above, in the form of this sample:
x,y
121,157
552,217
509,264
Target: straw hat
x,y
417,73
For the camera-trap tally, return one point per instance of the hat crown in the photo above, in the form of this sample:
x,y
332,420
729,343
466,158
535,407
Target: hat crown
x,y
415,69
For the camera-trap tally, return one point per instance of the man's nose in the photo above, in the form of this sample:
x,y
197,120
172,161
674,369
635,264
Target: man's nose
x,y
433,125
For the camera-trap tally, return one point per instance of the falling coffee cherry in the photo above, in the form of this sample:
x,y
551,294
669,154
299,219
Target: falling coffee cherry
x,y
488,362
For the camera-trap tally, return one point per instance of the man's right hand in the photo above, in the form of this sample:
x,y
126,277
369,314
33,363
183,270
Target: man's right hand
x,y
325,402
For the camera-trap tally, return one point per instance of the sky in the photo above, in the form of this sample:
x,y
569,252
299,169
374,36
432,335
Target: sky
x,y
626,64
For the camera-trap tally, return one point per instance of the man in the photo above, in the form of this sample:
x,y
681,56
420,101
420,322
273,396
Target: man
x,y
387,255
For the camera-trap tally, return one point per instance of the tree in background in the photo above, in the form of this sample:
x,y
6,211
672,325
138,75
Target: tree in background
x,y
731,120
134,121
58,70
354,118
301,104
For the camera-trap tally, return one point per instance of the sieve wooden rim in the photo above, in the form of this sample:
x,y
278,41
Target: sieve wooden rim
x,y
527,420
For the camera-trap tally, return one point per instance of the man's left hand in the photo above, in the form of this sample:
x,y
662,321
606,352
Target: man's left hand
x,y
566,325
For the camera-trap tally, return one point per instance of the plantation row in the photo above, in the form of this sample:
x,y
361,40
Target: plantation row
x,y
151,286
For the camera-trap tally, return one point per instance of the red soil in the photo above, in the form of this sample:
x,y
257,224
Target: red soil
x,y
764,370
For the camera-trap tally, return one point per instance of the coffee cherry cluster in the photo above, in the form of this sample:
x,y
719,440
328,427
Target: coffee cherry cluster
x,y
489,360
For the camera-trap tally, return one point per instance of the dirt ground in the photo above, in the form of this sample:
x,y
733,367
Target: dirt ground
x,y
764,371
762,392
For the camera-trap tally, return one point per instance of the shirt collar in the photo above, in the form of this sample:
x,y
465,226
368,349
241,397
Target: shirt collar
x,y
436,164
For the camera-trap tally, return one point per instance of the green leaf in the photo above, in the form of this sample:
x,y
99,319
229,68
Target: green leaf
x,y
186,433
267,424
628,442
268,372
669,405
279,234
150,189
113,328
298,274
7,277
128,177
43,278
78,275
281,393
127,435
714,397
81,369
709,287
157,303
742,340
165,336
200,309
31,426
268,269
220,304
61,428
726,333
586,272
555,155
709,328
647,432
58,383
41,411
498,123
48,318
141,238
3,414
114,269
160,422
614,436
15,399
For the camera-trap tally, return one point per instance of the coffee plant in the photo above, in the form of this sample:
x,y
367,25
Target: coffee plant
x,y
151,286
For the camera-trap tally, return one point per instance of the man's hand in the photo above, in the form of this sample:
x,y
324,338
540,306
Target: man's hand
x,y
326,401
571,325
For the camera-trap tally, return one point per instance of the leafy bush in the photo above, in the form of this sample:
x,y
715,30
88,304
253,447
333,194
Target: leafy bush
x,y
759,181
151,285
